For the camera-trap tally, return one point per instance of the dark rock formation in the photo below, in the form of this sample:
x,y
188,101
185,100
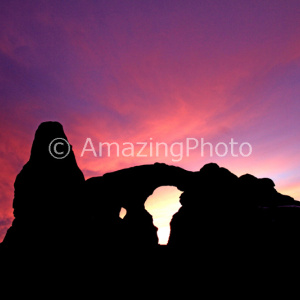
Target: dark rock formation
x,y
226,217
224,220
128,188
209,212
47,202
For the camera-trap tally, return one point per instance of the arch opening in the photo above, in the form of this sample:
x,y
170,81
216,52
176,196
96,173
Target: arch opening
x,y
162,205
122,213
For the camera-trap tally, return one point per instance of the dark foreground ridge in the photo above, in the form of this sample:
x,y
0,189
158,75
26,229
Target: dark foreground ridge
x,y
65,223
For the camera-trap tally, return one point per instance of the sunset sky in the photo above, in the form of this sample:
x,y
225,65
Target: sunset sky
x,y
159,71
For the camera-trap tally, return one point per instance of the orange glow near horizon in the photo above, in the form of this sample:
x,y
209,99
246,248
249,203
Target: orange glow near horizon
x,y
162,205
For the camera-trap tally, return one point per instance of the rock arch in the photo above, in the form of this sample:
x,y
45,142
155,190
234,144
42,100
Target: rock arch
x,y
130,188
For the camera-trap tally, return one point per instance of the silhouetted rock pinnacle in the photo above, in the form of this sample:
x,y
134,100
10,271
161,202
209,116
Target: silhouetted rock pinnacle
x,y
48,193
